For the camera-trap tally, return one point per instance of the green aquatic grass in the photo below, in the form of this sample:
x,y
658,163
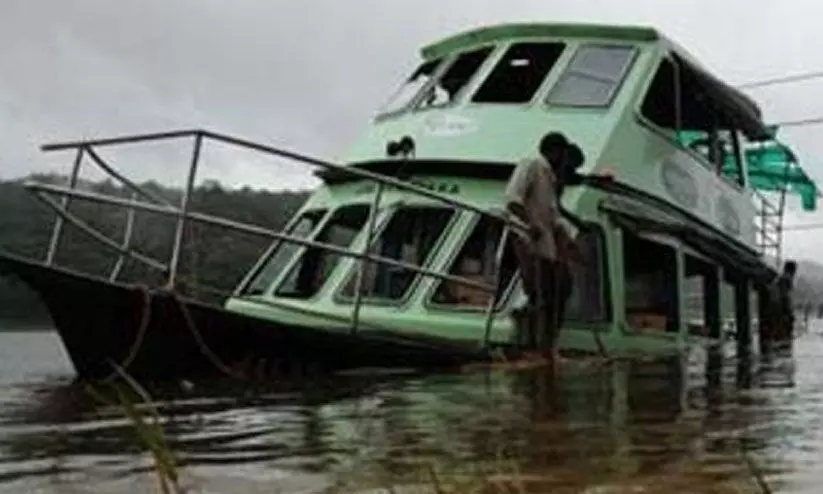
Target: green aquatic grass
x,y
501,474
147,427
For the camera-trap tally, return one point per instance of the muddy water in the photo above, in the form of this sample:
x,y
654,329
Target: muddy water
x,y
697,424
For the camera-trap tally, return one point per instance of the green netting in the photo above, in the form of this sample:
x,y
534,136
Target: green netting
x,y
772,167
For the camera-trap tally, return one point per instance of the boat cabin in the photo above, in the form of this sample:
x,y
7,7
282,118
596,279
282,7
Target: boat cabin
x,y
671,244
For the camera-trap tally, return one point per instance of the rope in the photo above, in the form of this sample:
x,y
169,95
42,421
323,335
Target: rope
x,y
145,318
204,348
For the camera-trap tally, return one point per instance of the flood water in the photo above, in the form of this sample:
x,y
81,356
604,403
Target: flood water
x,y
594,428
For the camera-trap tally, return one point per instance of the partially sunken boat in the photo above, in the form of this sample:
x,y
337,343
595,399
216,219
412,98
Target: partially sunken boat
x,y
403,258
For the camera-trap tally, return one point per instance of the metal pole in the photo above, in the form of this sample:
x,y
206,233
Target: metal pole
x,y
58,222
78,223
126,240
361,272
231,225
498,260
184,209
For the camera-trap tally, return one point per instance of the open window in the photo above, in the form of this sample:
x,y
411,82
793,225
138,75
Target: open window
x,y
680,102
282,252
476,261
454,79
313,268
650,273
406,93
589,299
593,77
701,292
519,74
410,236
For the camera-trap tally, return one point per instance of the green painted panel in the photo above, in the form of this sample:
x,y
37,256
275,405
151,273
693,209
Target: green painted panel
x,y
507,32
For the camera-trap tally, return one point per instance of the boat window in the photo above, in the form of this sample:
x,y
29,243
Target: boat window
x,y
677,103
410,236
309,274
476,261
446,88
282,252
700,297
650,273
588,301
519,74
593,76
404,95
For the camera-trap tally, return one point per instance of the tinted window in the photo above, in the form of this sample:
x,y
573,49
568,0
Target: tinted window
x,y
588,298
593,76
477,261
283,252
409,236
412,86
519,74
454,78
315,265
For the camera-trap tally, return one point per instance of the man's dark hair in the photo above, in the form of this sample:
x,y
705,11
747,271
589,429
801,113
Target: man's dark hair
x,y
790,267
552,142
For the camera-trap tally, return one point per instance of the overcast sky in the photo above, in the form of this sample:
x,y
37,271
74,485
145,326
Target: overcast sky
x,y
308,74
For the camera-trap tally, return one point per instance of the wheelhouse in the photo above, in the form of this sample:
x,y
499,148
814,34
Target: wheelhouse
x,y
670,247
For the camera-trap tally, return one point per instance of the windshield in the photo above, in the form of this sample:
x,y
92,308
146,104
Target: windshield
x,y
412,85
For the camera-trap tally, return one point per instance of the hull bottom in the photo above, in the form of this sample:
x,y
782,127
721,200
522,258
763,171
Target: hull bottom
x,y
158,335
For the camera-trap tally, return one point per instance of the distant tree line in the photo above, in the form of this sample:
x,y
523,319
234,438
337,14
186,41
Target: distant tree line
x,y
212,256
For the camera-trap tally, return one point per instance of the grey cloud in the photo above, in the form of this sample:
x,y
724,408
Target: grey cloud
x,y
308,74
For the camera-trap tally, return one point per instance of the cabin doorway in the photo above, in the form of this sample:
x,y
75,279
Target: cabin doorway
x,y
651,285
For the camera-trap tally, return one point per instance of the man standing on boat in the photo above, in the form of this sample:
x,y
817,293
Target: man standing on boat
x,y
782,299
531,198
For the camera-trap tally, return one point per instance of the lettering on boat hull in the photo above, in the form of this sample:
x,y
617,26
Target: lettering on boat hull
x,y
700,191
679,183
727,215
448,125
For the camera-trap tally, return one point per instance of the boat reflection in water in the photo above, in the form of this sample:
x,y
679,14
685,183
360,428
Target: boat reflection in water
x,y
619,426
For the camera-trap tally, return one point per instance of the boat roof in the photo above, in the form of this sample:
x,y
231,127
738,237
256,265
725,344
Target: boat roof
x,y
740,107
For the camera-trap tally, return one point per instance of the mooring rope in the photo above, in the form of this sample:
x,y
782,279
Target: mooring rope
x,y
198,338
188,319
142,328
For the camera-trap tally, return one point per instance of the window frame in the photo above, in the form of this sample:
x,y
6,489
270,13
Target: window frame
x,y
449,261
416,107
674,139
548,79
271,251
275,287
445,62
341,298
605,280
676,248
634,54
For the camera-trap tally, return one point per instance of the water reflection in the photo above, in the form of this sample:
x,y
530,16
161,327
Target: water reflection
x,y
701,423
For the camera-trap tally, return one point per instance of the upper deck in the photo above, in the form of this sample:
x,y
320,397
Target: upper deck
x,y
488,94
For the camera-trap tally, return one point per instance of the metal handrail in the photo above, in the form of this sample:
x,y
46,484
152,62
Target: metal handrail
x,y
299,157
183,214
222,222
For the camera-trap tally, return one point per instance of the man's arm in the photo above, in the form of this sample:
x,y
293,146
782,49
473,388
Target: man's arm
x,y
518,189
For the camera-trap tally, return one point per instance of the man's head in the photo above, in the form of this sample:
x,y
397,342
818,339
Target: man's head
x,y
553,147
790,268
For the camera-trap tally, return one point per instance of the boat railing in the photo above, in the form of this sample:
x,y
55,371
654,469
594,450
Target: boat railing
x,y
153,203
